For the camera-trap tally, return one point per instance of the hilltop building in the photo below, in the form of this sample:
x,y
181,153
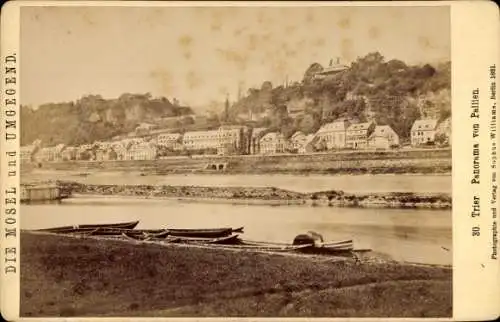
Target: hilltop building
x,y
332,70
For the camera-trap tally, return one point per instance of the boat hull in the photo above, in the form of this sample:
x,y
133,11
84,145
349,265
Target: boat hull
x,y
204,233
89,228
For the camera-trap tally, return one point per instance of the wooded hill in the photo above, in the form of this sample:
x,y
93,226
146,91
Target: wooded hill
x,y
395,91
93,118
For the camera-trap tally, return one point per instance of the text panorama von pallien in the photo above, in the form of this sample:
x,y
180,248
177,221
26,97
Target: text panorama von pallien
x,y
475,180
10,161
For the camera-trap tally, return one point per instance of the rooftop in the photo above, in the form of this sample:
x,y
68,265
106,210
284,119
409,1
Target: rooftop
x,y
424,125
359,126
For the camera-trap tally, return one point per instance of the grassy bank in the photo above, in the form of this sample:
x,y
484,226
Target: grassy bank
x,y
63,276
353,162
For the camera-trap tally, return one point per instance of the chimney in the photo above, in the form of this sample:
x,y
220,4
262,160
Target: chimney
x,y
226,108
331,62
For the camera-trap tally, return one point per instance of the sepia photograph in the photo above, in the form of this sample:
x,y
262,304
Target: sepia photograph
x,y
236,161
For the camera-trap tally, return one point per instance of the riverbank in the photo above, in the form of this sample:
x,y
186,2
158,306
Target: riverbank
x,y
263,195
63,276
428,161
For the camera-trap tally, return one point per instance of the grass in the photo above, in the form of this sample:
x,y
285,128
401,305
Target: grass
x,y
63,276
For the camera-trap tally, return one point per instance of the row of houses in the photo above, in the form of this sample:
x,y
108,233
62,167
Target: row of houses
x,y
227,140
336,135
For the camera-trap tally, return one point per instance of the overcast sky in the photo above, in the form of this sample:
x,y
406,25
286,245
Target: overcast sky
x,y
200,54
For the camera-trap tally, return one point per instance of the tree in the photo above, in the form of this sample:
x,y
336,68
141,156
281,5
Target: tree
x,y
266,86
441,139
311,71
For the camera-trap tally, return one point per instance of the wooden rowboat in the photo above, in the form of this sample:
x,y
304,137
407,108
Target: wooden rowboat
x,y
88,228
232,239
204,233
332,247
136,232
274,247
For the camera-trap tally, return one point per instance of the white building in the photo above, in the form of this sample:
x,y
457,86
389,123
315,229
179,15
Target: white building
x,y
334,134
383,137
423,131
69,153
200,140
170,140
272,143
332,70
230,140
357,135
142,151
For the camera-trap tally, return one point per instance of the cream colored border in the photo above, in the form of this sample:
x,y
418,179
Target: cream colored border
x,y
475,34
9,46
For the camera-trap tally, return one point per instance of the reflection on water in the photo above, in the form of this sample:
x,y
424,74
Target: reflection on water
x,y
411,235
309,183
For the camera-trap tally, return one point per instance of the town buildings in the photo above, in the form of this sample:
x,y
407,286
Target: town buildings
x,y
228,139
301,143
170,141
334,134
142,151
201,140
272,143
383,137
423,132
50,154
255,136
69,153
357,135
444,129
231,140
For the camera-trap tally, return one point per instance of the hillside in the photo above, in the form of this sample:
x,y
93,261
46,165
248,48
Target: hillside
x,y
93,118
389,92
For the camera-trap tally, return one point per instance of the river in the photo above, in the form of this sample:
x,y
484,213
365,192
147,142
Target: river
x,y
423,236
299,183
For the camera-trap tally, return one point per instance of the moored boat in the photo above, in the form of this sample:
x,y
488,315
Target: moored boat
x,y
89,228
232,239
204,233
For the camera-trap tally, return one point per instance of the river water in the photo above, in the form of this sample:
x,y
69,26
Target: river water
x,y
423,236
299,183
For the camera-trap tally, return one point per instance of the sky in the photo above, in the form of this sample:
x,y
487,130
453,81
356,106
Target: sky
x,y
202,54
